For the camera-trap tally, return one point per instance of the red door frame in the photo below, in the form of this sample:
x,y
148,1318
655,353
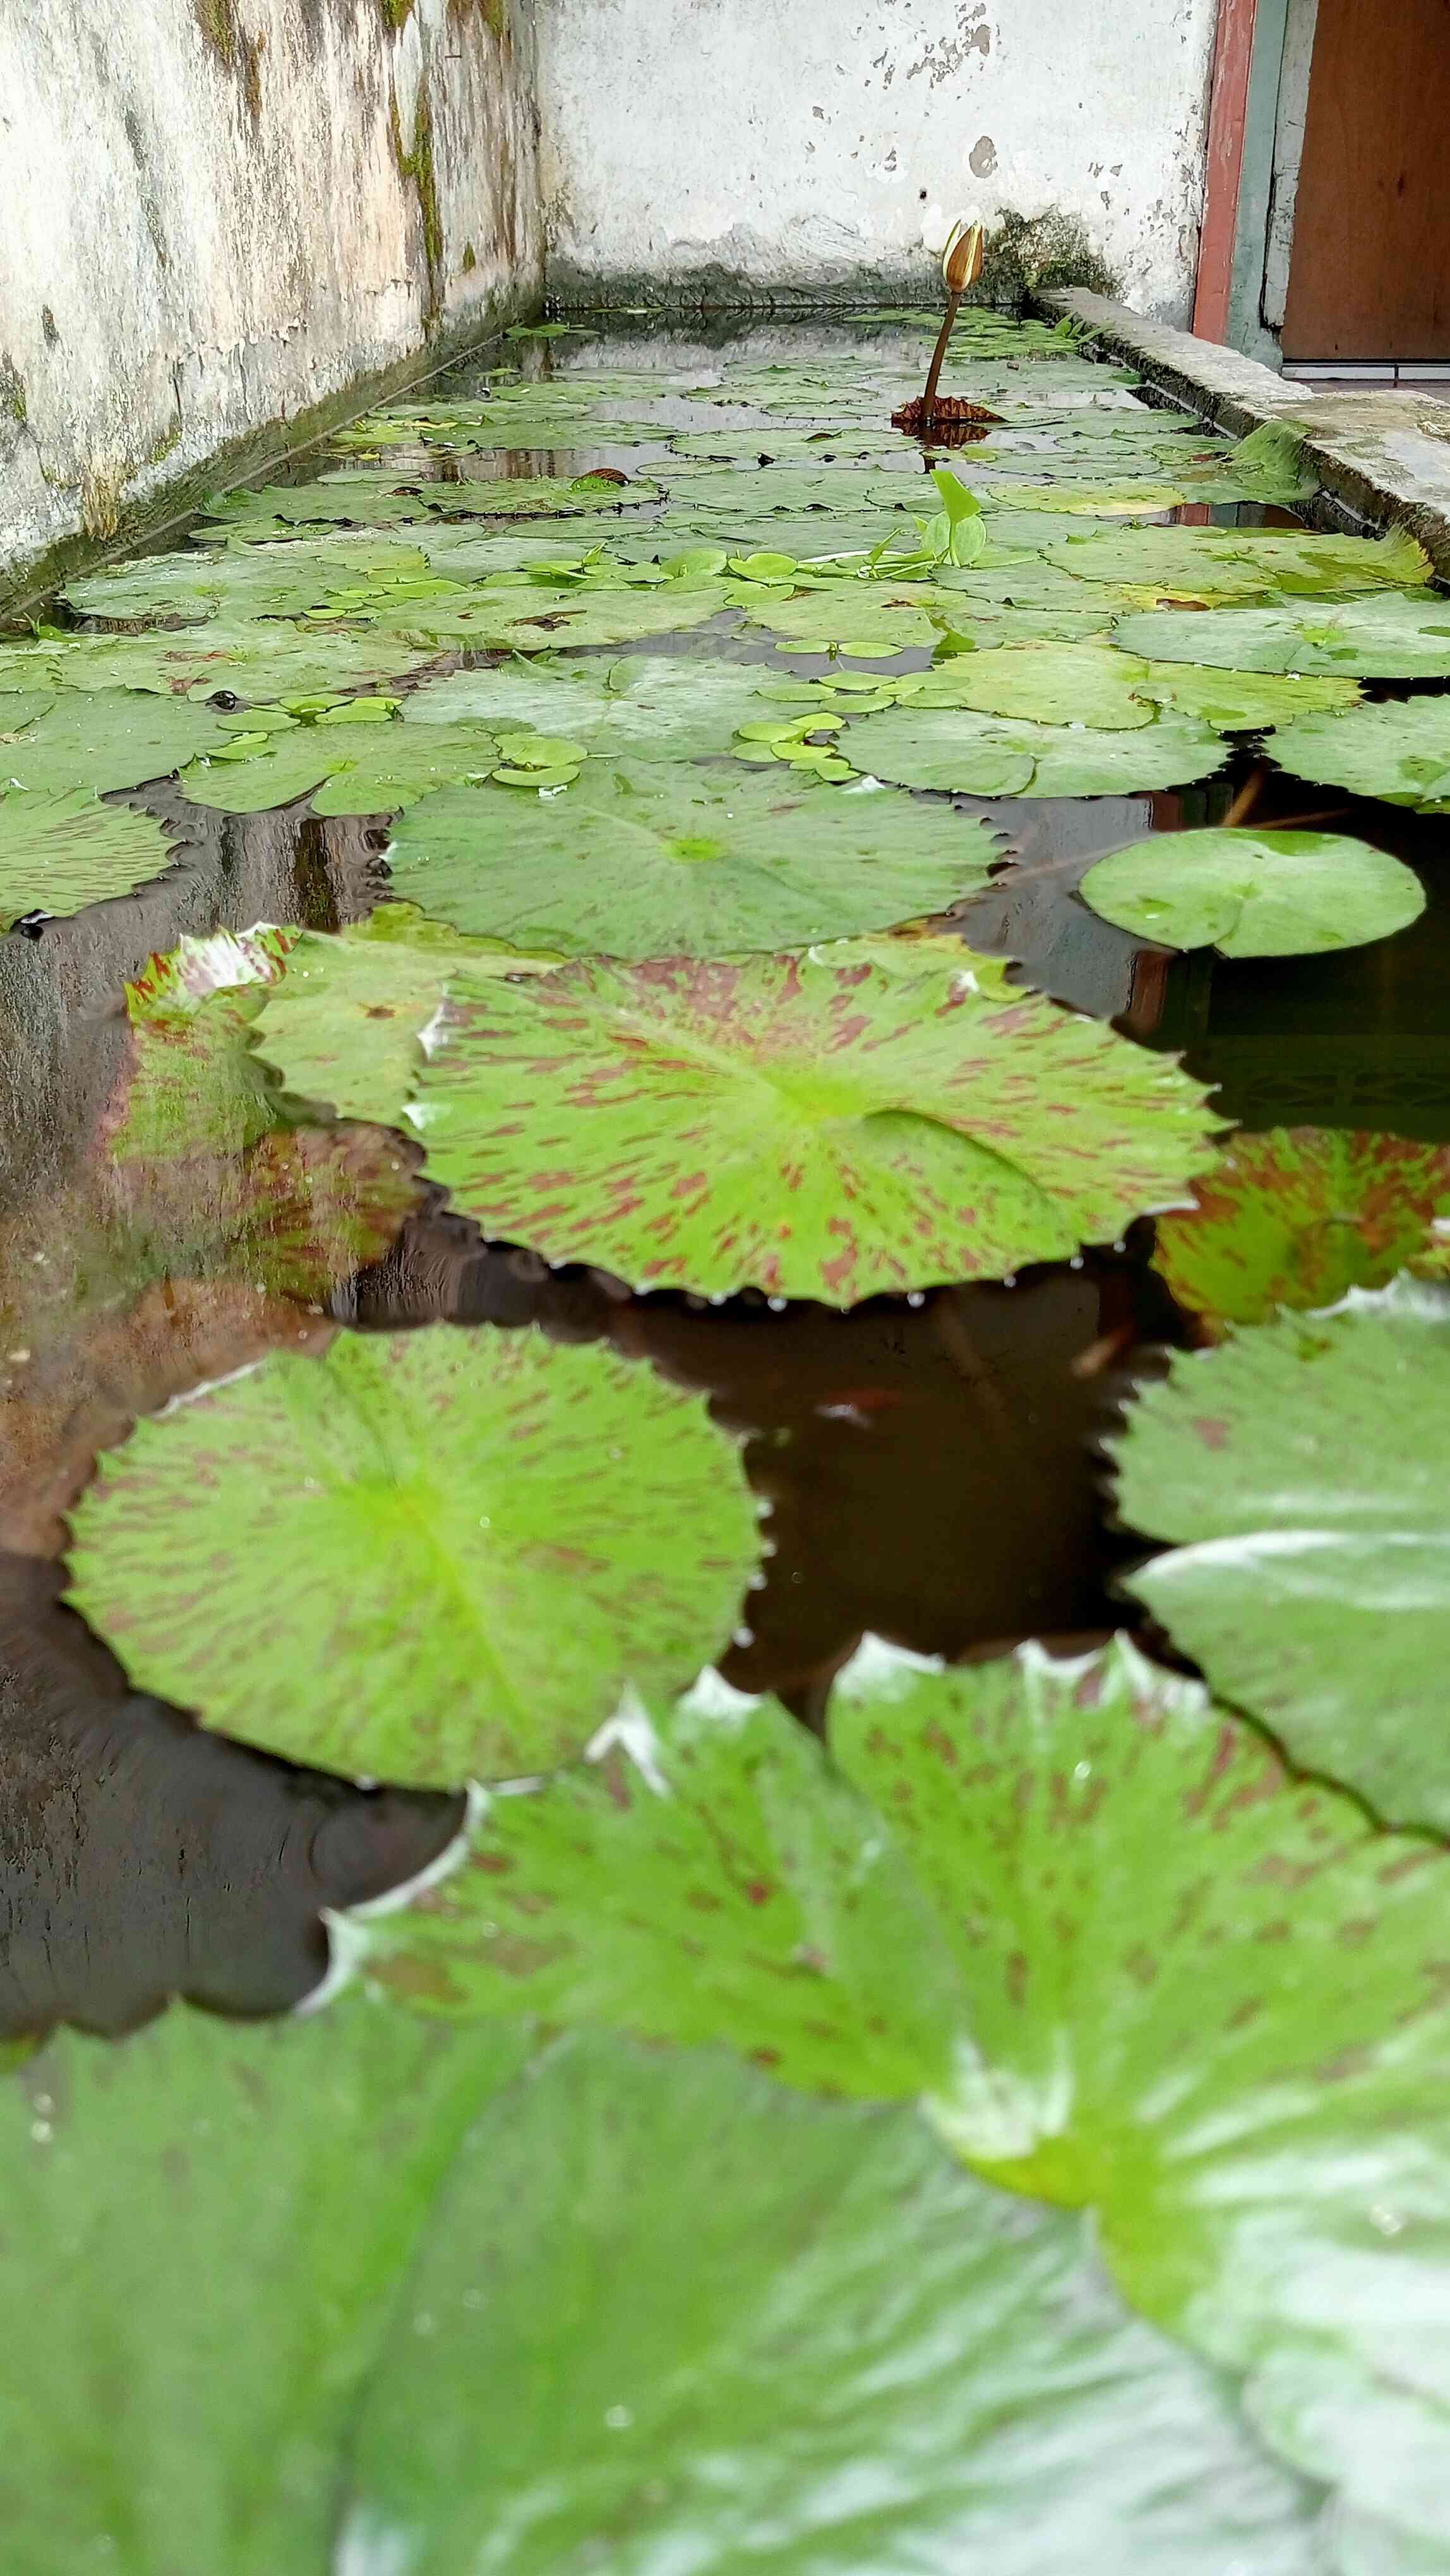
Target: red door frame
x,y
1228,109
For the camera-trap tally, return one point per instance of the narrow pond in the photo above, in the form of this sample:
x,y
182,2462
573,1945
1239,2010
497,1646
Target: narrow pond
x,y
723,1466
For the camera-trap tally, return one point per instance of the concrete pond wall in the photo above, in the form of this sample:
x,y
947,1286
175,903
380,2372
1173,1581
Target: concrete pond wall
x,y
215,215
762,147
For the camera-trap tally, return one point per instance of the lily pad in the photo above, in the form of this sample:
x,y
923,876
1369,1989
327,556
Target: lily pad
x,y
346,770
363,499
1255,894
1129,499
1206,2001
195,1085
1317,1601
106,739
428,1530
538,620
292,2170
1296,1218
345,1022
1090,685
995,756
1369,639
1400,751
261,581
813,1126
60,852
1240,701
1242,562
650,707
872,619
256,662
665,860
963,2384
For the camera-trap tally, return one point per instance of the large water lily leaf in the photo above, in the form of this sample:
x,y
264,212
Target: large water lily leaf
x,y
1317,1598
788,491
1370,639
244,2207
963,2386
815,1126
538,619
1400,751
256,581
1206,2001
659,860
1239,562
345,1023
1132,498
348,768
1299,1216
362,499
258,661
997,756
1240,701
195,1086
1255,894
1061,684
428,1529
106,739
60,852
705,1878
874,619
649,707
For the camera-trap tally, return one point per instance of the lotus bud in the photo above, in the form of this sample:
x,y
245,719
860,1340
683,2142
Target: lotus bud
x,y
961,261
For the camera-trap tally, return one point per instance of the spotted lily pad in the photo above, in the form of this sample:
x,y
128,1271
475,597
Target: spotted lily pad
x,y
649,707
963,2383
1318,1598
1299,1216
997,756
194,1084
429,1530
60,852
1400,751
345,1022
814,1126
658,860
1255,894
1369,639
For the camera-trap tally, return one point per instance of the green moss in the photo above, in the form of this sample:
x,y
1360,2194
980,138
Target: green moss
x,y
494,13
1028,252
396,14
470,259
224,35
419,165
12,393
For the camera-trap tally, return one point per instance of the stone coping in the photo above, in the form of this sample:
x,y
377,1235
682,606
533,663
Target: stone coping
x,y
1383,455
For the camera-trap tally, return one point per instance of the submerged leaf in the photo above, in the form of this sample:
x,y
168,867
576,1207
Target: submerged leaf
x,y
1317,1598
428,1530
783,2337
344,1025
814,1126
1255,894
60,852
1299,1216
659,860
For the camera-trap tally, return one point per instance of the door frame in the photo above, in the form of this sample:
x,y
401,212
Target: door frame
x,y
1262,59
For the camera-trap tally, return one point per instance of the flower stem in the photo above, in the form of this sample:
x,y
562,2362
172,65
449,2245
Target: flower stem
x,y
933,372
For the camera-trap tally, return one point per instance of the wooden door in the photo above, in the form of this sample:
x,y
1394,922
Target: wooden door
x,y
1369,277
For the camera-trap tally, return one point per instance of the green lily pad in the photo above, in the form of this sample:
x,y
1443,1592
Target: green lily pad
x,y
254,662
1400,751
963,2386
813,1126
362,499
1205,2000
105,739
1244,562
649,707
427,1529
1240,701
1255,894
540,620
1316,1598
345,772
1140,498
345,1022
260,581
995,756
60,852
1091,685
665,860
1370,639
195,1085
1297,1217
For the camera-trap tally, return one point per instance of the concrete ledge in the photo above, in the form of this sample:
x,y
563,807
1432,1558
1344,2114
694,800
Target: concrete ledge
x,y
1383,456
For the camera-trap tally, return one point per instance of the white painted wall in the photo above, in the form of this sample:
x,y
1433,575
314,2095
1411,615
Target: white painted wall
x,y
791,142
205,228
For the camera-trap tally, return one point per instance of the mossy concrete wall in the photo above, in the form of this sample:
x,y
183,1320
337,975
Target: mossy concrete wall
x,y
747,151
217,214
